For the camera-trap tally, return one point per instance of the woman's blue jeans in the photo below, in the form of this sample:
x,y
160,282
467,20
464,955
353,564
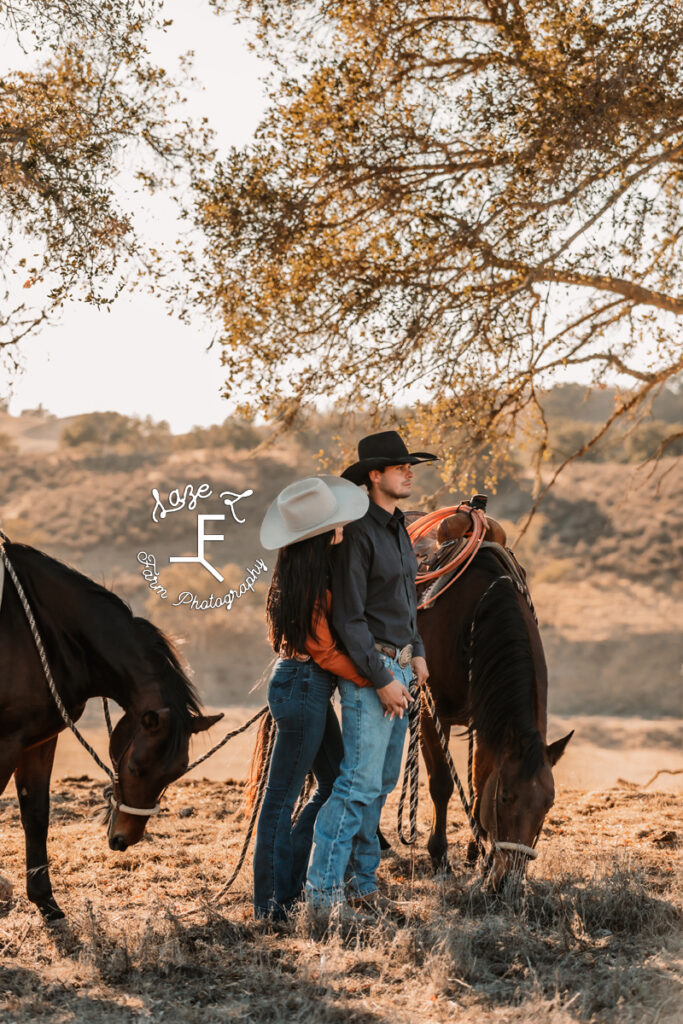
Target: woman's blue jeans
x,y
308,737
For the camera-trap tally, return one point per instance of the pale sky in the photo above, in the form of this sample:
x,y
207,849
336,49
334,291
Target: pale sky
x,y
136,359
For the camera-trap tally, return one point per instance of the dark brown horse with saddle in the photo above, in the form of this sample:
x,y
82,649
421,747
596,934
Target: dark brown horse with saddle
x,y
94,646
487,673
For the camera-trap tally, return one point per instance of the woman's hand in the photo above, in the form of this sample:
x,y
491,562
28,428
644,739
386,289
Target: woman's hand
x,y
395,698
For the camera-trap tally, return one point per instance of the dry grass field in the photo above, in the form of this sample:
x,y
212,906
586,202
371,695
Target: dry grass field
x,y
593,935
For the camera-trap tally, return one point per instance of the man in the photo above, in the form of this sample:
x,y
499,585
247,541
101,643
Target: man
x,y
374,612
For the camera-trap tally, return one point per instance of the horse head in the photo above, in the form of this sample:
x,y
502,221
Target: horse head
x,y
149,750
514,800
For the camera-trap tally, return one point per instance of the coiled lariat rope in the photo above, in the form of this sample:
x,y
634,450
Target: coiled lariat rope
x,y
463,558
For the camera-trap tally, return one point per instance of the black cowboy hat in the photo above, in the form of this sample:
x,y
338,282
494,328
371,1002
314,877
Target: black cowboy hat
x,y
379,450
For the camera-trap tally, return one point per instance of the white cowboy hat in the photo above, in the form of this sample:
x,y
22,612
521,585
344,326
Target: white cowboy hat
x,y
309,507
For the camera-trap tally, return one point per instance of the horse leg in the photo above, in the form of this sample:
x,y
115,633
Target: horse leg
x,y
440,789
482,767
32,778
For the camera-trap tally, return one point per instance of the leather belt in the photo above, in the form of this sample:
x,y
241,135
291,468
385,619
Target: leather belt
x,y
297,657
400,654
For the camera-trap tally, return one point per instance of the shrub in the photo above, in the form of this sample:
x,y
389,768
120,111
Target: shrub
x,y
114,430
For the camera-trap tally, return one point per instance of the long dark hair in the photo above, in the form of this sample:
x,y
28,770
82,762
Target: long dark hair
x,y
297,591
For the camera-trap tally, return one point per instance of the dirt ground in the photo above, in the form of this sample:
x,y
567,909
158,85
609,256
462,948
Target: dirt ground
x,y
603,749
593,935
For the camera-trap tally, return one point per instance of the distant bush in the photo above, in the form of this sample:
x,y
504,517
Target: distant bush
x,y
624,443
233,432
39,410
593,405
644,441
7,444
555,570
114,430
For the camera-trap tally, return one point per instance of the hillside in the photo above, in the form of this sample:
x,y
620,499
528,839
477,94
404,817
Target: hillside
x,y
603,555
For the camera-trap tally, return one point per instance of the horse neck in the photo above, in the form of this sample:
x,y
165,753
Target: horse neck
x,y
91,639
125,674
129,693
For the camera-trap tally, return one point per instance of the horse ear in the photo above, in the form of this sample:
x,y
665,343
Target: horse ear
x,y
201,722
154,720
556,749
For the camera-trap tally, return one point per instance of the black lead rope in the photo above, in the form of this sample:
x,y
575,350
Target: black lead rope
x,y
411,774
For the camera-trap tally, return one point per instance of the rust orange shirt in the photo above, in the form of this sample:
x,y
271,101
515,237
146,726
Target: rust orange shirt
x,y
324,651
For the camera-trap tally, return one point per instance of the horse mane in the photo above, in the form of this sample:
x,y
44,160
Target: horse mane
x,y
179,692
146,654
502,679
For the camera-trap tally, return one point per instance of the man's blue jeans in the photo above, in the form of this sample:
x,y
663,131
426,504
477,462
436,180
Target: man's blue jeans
x,y
308,736
346,849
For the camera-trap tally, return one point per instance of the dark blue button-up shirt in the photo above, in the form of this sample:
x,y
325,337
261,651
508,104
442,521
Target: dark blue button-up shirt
x,y
373,591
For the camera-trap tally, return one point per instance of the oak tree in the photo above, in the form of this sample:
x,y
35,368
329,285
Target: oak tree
x,y
466,200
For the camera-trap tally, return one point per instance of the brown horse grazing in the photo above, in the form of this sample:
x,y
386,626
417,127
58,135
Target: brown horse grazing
x,y
488,672
95,647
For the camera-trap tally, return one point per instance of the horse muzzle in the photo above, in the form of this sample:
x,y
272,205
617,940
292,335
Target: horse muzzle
x,y
127,824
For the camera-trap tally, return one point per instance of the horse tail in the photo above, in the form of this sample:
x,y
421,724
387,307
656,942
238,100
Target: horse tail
x,y
258,758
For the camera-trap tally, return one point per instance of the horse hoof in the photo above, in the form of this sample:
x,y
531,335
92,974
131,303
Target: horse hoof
x,y
442,867
51,911
472,852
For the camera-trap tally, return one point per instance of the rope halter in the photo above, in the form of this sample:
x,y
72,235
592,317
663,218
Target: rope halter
x,y
142,812
527,851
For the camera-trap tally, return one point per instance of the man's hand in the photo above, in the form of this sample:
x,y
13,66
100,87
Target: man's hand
x,y
420,670
395,698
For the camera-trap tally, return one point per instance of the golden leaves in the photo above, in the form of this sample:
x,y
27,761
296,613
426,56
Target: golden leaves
x,y
450,202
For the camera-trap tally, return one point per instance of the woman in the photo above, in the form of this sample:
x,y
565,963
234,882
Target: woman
x,y
305,521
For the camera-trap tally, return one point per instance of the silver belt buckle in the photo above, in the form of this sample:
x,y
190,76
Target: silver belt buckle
x,y
404,655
